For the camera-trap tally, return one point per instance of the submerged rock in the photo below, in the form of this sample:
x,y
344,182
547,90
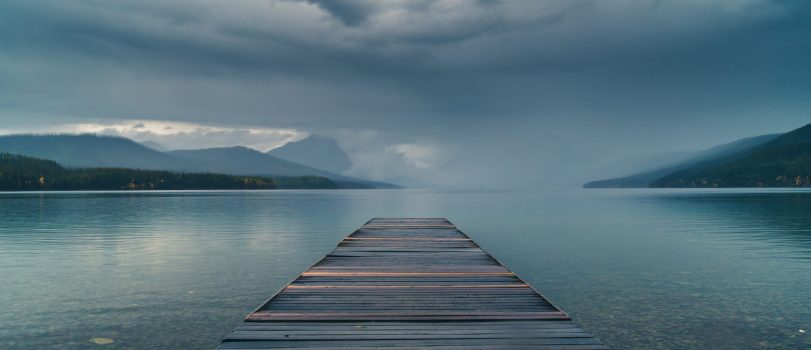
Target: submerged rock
x,y
101,341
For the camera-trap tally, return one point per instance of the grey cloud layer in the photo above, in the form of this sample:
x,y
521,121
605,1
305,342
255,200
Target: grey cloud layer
x,y
450,70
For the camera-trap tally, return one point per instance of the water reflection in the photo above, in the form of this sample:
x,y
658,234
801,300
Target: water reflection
x,y
777,217
641,269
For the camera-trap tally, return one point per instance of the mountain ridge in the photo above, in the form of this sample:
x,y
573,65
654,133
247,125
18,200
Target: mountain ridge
x,y
713,154
23,173
784,161
89,151
315,151
773,160
256,163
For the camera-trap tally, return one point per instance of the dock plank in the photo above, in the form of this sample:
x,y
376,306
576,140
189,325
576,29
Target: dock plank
x,y
409,283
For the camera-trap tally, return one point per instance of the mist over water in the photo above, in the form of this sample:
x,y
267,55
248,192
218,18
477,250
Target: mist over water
x,y
641,269
505,108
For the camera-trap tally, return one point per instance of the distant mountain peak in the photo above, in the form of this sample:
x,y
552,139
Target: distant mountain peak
x,y
315,151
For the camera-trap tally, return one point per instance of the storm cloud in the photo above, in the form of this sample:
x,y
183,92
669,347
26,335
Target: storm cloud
x,y
515,91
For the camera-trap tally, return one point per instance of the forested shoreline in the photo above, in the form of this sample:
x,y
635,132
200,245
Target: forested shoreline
x,y
21,173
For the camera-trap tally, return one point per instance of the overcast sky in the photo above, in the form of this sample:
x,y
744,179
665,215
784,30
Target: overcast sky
x,y
536,92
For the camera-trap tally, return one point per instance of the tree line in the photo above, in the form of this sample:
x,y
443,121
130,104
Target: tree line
x,y
21,173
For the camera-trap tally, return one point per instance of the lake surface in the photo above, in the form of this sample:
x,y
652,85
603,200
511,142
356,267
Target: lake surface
x,y
641,269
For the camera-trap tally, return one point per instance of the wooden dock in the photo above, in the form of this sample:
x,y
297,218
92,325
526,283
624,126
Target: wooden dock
x,y
408,283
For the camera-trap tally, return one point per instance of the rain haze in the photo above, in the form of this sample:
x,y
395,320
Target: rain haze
x,y
444,93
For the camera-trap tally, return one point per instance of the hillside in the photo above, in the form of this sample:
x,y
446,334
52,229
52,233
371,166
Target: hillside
x,y
230,160
246,161
116,152
92,151
21,173
641,163
778,166
717,155
784,161
154,145
317,152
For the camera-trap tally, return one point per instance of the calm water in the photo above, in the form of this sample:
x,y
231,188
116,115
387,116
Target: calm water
x,y
638,268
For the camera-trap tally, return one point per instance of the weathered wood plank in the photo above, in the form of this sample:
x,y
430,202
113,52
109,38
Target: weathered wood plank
x,y
409,283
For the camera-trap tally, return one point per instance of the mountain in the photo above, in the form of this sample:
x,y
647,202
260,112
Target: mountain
x,y
784,161
154,145
719,154
91,151
317,152
642,163
21,173
246,161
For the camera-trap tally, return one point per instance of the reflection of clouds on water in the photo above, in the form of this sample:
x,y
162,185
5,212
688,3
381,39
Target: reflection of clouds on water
x,y
106,260
641,269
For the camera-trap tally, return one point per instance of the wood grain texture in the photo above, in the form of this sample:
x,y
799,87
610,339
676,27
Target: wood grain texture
x,y
408,283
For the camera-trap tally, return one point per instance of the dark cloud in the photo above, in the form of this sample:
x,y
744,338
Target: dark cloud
x,y
350,12
573,81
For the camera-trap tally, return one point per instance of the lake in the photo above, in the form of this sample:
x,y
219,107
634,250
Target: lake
x,y
641,269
